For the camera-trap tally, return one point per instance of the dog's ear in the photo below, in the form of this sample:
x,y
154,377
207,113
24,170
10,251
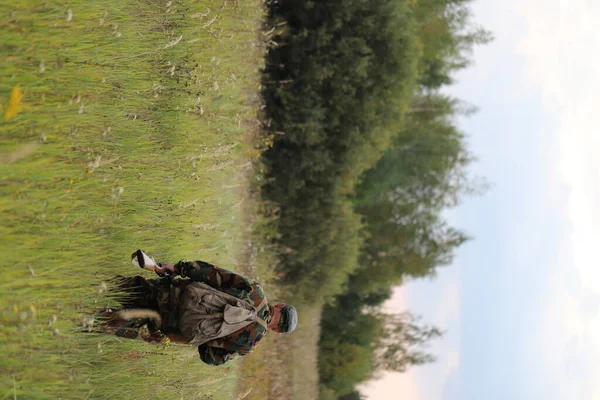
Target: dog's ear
x,y
142,260
135,260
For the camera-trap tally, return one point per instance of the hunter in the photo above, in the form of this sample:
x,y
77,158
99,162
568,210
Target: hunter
x,y
222,313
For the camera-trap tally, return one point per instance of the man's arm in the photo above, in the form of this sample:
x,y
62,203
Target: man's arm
x,y
215,355
239,343
218,278
210,355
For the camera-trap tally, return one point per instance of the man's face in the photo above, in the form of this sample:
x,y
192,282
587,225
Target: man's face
x,y
274,325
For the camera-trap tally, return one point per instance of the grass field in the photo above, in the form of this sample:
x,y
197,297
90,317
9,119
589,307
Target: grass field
x,y
124,126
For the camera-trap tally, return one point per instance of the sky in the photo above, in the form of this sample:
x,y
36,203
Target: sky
x,y
521,302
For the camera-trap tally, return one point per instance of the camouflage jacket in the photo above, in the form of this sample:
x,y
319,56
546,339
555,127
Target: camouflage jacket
x,y
241,342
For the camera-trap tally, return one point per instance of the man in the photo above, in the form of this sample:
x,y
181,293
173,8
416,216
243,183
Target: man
x,y
223,313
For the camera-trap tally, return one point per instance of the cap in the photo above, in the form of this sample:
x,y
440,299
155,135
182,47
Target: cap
x,y
288,320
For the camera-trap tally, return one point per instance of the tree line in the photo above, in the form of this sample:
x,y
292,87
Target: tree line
x,y
365,156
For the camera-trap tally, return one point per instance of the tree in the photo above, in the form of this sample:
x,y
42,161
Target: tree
x,y
402,342
402,198
344,364
335,86
427,160
358,343
354,395
447,37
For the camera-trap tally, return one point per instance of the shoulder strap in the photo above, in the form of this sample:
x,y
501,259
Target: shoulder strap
x,y
261,321
261,305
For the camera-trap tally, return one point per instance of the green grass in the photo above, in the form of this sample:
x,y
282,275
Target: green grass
x,y
130,134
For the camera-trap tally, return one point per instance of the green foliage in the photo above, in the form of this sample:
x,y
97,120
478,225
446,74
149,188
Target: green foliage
x,y
401,200
326,393
335,85
402,341
447,37
358,342
347,364
354,395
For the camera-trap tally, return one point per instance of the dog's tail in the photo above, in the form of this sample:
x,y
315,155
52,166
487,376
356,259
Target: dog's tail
x,y
134,313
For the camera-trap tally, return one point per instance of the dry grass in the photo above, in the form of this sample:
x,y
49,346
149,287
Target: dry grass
x,y
282,366
285,366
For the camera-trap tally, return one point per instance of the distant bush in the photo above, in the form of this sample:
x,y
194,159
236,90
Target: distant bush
x,y
335,86
327,394
402,200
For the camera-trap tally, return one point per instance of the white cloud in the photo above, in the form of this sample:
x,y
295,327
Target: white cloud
x,y
562,48
393,386
541,43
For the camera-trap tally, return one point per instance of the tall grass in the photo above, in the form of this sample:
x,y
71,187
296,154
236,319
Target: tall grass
x,y
128,134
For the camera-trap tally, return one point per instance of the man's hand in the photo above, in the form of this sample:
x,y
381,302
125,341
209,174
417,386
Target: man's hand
x,y
141,259
177,338
164,269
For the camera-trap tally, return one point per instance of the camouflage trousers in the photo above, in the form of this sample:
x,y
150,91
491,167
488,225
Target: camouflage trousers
x,y
139,293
